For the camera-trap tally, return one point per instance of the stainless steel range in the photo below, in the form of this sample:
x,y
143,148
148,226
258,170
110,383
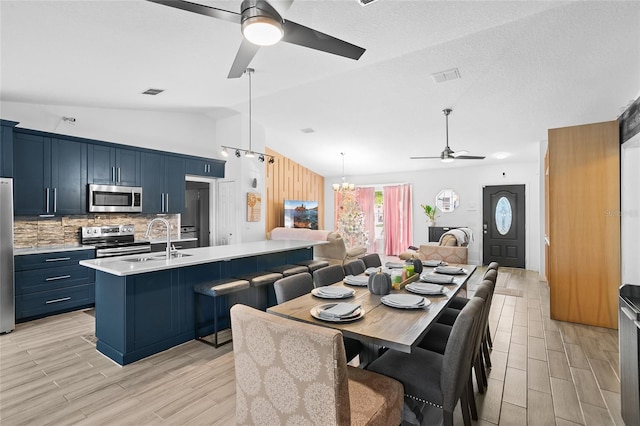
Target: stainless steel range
x,y
113,240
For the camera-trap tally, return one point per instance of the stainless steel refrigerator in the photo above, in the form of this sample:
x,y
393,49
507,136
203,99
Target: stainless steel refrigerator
x,y
7,307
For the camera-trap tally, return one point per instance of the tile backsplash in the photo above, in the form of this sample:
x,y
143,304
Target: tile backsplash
x,y
34,231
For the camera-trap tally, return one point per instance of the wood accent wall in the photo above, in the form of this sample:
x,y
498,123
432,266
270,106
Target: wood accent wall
x,y
288,180
584,223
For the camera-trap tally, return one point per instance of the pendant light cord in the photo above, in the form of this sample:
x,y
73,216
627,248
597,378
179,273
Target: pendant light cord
x,y
249,71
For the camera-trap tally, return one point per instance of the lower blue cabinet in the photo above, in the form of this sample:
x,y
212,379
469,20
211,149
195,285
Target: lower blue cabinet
x,y
52,283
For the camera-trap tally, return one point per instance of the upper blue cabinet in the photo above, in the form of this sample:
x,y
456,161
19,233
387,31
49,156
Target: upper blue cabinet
x,y
204,167
50,175
163,183
113,166
6,148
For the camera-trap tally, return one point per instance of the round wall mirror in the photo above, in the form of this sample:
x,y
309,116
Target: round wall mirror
x,y
447,200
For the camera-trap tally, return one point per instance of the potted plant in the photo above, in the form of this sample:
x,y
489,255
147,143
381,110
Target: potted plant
x,y
431,214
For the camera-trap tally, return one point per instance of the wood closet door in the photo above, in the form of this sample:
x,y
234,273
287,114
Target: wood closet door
x,y
584,223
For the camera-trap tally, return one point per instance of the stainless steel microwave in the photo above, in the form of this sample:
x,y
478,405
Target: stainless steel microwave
x,y
115,199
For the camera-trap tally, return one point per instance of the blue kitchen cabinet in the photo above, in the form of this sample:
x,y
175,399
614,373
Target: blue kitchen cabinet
x,y
163,184
204,167
51,283
109,165
6,148
50,175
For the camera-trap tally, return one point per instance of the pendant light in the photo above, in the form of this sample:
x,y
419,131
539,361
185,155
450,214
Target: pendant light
x,y
344,186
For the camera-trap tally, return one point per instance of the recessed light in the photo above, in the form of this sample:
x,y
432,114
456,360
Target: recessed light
x,y
501,155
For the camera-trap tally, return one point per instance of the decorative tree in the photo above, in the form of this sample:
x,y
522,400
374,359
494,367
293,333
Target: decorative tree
x,y
351,221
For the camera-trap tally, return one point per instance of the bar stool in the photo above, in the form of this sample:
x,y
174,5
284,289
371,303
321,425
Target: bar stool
x,y
260,280
215,289
288,270
313,264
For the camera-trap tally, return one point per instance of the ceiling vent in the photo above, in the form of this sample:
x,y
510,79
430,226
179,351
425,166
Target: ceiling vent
x,y
152,92
448,75
307,130
365,2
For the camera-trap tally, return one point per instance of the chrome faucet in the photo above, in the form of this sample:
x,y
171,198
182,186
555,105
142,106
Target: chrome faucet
x,y
166,223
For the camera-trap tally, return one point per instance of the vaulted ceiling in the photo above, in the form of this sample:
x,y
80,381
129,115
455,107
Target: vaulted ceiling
x,y
525,66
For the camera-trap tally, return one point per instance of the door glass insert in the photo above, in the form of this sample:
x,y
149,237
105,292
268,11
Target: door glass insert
x,y
503,215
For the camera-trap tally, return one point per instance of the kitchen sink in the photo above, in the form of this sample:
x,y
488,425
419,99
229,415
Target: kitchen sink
x,y
157,257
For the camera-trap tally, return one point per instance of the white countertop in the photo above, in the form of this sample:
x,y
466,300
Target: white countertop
x,y
50,249
121,267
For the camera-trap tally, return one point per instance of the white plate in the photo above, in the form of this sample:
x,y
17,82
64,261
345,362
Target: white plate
x,y
434,263
358,313
416,289
374,270
450,270
318,292
404,301
359,280
436,278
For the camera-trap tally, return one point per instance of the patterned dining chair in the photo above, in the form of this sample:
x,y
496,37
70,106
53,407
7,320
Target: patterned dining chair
x,y
290,372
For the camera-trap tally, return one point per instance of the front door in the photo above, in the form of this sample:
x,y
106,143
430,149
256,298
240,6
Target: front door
x,y
503,225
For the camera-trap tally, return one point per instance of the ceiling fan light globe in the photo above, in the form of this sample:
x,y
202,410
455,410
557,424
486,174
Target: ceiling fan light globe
x,y
262,30
447,160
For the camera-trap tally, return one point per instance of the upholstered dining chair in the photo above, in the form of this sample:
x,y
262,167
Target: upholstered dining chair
x,y
293,286
290,372
372,260
288,288
355,267
439,380
327,276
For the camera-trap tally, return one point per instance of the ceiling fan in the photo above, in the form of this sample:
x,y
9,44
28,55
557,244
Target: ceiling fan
x,y
448,155
262,25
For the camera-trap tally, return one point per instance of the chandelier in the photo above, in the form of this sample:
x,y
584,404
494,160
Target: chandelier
x,y
249,153
344,186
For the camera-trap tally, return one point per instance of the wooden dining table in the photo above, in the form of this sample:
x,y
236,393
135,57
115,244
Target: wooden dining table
x,y
381,325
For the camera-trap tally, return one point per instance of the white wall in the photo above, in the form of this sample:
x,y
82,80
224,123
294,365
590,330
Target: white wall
x,y
468,183
630,211
184,133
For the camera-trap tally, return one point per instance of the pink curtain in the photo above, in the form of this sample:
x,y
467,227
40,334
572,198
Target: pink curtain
x,y
397,219
366,199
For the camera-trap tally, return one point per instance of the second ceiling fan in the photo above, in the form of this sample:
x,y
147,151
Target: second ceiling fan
x,y
262,25
447,155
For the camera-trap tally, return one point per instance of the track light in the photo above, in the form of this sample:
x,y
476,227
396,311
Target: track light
x,y
271,160
261,158
224,152
238,153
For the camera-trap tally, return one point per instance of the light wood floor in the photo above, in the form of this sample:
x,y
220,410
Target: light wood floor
x,y
544,372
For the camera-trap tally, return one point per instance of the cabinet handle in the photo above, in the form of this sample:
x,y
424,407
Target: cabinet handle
x,y
47,199
205,168
62,299
167,210
61,277
55,200
113,174
162,206
208,168
57,259
118,174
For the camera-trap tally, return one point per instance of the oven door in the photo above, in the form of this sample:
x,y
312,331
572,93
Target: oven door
x,y
114,199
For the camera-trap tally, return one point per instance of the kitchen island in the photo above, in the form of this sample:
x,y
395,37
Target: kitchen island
x,y
145,303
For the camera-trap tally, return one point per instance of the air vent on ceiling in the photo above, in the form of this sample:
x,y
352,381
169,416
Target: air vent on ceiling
x,y
307,130
152,92
441,77
365,2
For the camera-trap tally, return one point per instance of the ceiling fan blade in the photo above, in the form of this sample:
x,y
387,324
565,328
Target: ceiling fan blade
x,y
202,10
459,153
245,54
469,157
304,36
423,158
